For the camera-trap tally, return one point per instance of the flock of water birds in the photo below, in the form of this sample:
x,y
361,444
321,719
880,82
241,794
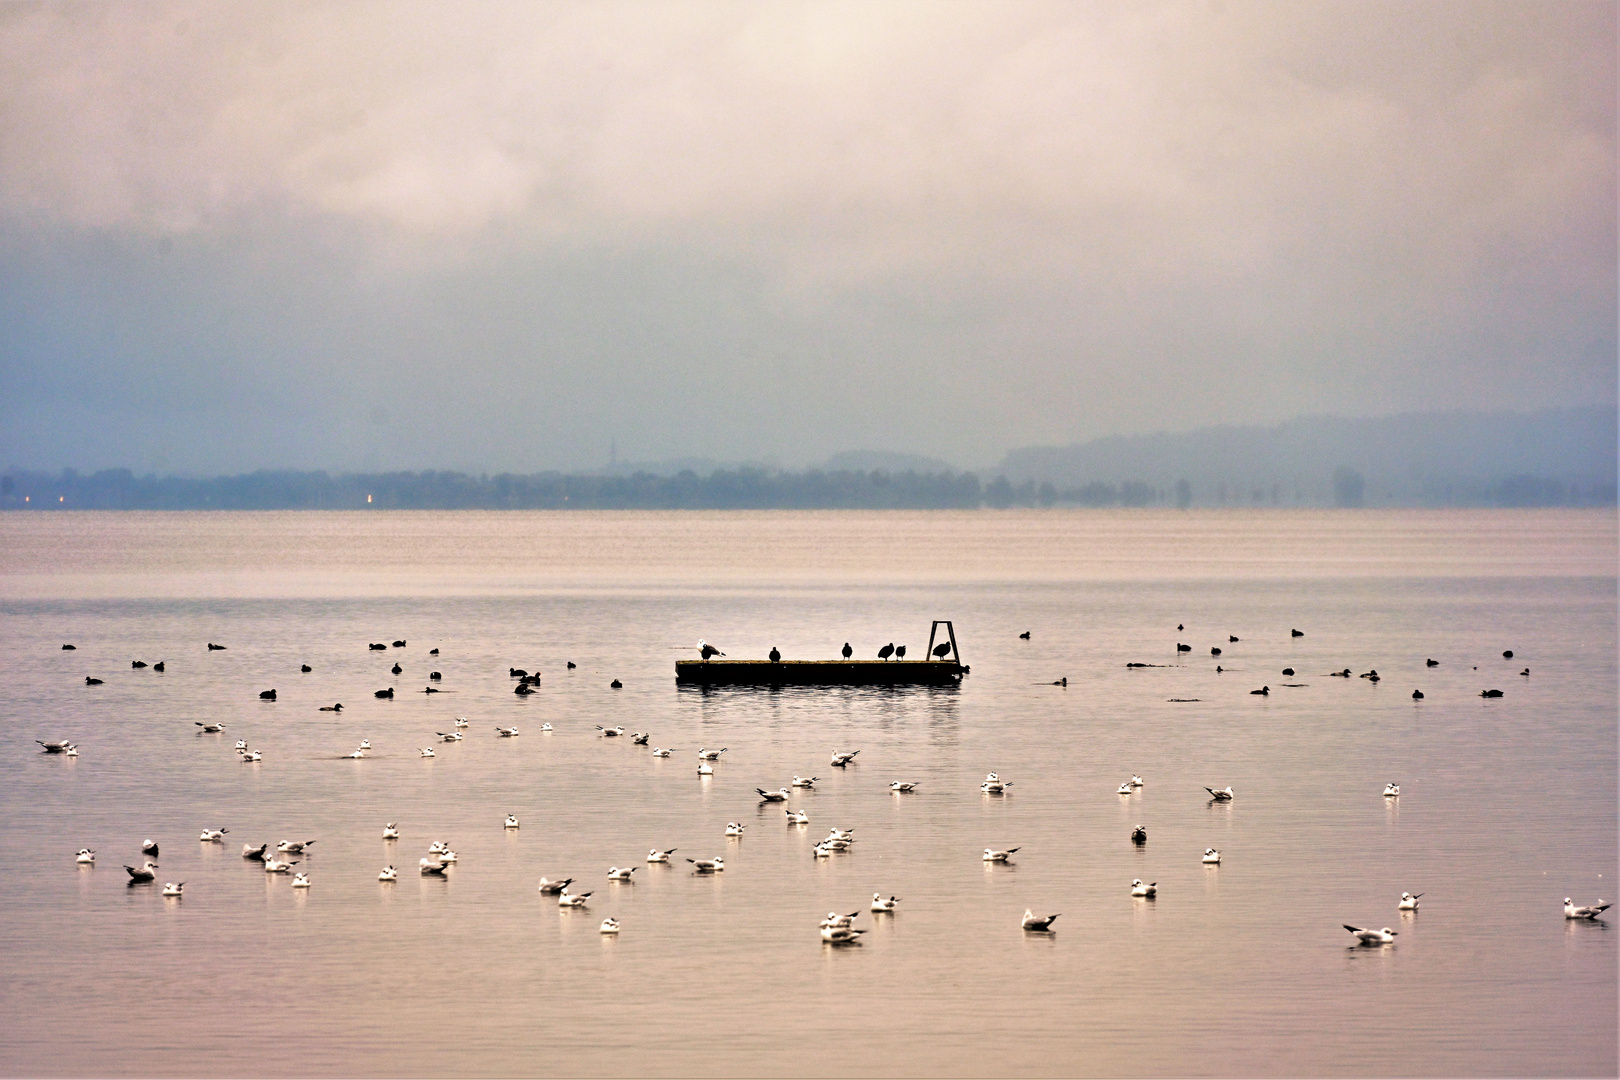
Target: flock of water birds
x,y
835,929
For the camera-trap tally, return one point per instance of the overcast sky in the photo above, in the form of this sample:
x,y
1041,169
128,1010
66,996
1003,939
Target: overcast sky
x,y
503,236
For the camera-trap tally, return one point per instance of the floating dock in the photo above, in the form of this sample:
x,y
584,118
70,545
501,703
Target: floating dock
x,y
944,669
819,672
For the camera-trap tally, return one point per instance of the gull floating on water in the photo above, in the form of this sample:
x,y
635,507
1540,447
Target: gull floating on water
x,y
1221,794
780,795
805,781
610,732
294,847
711,755
173,888
1409,902
545,727
880,904
835,919
841,759
438,847
841,935
427,751
1212,856
992,855
273,865
1371,937
449,736
552,888
639,737
705,769
573,899
617,873
86,856
356,755
209,728
903,787
143,875
1136,781
1148,891
797,817
506,732
1124,789
255,854
511,822
1392,790
213,836
431,867
734,828
995,787
56,747
1592,912
241,744
388,874
300,881
1035,922
365,744
448,857
656,856
251,755
659,751
462,721
390,831
610,926
149,847
708,866
841,834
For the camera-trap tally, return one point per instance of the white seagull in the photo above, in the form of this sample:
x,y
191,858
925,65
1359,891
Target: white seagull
x,y
293,847
1409,902
388,874
449,736
1148,891
390,831
610,926
511,822
1592,912
300,881
1136,781
705,769
273,865
545,727
1392,790
365,744
616,873
836,920
708,866
841,759
903,787
173,888
209,728
438,847
1220,795
996,786
1035,922
358,753
805,781
880,904
610,732
797,817
712,755
256,854
448,857
656,856
144,874
992,855
461,721
426,751
213,836
431,867
1212,857
506,732
1124,789
553,888
241,744
841,935
779,795
252,755
659,751
734,829
1371,937
568,899
86,857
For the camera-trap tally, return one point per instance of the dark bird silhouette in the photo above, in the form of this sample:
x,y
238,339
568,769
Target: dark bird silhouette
x,y
1062,682
397,669
523,689
1183,648
158,666
571,665
886,652
1431,663
899,652
1296,633
1025,637
1417,695
1507,654
1264,691
776,656
90,681
377,646
1288,671
332,708
616,685
1490,693
1215,650
942,649
399,644
1525,672
137,663
388,693
1230,639
267,695
215,648
705,650
433,652
435,675
1139,835
70,647
848,652
517,672
1180,627
306,669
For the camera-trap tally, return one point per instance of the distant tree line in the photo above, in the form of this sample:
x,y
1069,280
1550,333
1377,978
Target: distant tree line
x,y
723,489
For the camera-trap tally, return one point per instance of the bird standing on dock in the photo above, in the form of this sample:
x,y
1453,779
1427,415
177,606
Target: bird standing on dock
x,y
886,652
776,656
705,650
899,652
848,651
941,650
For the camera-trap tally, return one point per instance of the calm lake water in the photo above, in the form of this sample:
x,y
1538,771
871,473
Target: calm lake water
x,y
1507,805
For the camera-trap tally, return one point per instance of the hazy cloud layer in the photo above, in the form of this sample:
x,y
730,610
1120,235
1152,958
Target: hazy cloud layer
x,y
499,236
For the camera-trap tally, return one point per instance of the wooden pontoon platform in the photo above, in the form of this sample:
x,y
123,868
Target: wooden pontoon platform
x,y
944,669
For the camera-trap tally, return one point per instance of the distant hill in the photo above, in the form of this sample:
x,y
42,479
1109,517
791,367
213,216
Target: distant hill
x,y
1552,457
888,461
